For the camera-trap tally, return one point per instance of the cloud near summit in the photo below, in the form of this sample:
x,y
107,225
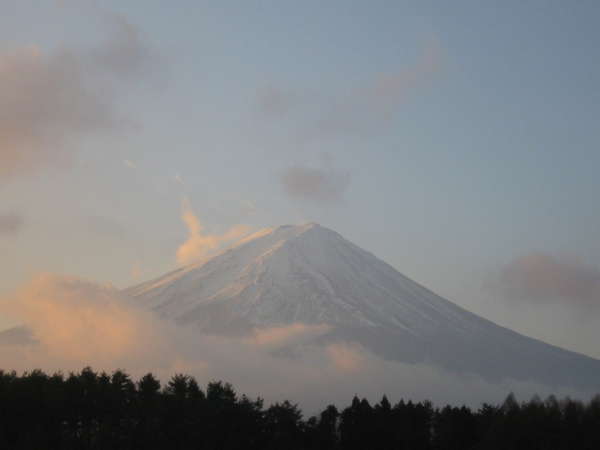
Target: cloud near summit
x,y
200,244
325,186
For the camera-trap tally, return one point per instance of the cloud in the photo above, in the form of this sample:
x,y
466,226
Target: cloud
x,y
71,323
347,358
125,54
360,110
50,100
129,164
199,244
18,336
286,335
368,108
325,186
545,279
10,223
74,319
391,89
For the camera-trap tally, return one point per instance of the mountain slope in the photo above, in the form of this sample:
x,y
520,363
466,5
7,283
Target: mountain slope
x,y
313,275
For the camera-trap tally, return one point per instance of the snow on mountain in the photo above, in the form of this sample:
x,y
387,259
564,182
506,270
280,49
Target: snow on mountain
x,y
310,274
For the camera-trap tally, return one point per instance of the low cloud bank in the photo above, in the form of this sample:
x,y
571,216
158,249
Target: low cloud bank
x,y
74,323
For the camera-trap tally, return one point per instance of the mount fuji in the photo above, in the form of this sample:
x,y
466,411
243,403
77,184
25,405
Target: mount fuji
x,y
309,274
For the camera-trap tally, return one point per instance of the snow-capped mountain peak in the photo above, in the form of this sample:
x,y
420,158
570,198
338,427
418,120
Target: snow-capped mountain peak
x,y
310,274
305,273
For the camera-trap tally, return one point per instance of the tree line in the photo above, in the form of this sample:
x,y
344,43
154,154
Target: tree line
x,y
89,410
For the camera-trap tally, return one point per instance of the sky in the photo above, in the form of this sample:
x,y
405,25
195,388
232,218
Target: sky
x,y
456,141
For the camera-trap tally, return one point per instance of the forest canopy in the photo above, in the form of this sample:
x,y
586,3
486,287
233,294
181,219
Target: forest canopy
x,y
90,410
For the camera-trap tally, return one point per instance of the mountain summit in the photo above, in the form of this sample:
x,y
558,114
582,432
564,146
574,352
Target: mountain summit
x,y
310,274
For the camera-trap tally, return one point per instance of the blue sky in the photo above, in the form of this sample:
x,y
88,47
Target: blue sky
x,y
454,138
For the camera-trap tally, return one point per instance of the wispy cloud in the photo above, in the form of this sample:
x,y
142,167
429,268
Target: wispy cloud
x,y
366,109
546,279
347,358
200,244
286,335
362,109
323,186
49,100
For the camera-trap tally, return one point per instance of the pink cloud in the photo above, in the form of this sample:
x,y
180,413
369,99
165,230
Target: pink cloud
x,y
543,278
200,244
50,100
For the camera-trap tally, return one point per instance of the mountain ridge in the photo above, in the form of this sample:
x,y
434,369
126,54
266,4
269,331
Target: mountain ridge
x,y
310,274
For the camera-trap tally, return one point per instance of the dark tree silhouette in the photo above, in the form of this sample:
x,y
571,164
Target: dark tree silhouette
x,y
97,411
